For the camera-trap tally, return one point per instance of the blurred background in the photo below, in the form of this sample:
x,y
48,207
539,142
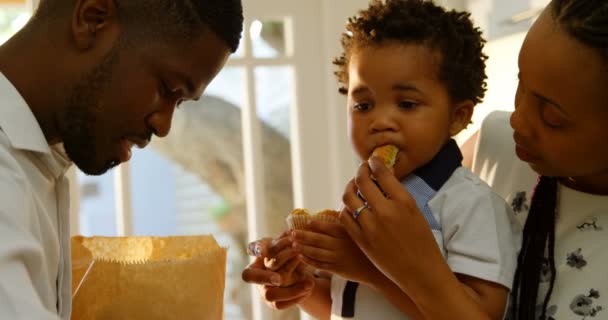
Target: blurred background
x,y
269,134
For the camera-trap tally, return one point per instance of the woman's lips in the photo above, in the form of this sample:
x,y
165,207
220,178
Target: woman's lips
x,y
524,155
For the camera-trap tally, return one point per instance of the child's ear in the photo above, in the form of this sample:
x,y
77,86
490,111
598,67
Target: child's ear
x,y
461,116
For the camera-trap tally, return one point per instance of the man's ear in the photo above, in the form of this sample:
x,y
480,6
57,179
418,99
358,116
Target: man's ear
x,y
461,116
91,19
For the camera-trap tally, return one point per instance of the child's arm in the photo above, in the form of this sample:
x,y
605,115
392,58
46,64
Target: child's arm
x,y
318,304
327,246
491,296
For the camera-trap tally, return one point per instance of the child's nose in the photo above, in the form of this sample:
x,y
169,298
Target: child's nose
x,y
384,122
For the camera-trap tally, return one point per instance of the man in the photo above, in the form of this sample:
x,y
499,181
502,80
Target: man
x,y
83,82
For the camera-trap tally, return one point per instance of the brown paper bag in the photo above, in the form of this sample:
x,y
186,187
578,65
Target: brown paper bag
x,y
134,278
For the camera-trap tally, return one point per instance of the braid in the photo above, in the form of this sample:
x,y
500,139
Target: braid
x,y
539,235
585,20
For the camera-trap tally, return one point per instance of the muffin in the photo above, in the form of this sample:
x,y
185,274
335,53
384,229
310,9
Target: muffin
x,y
327,215
298,218
388,155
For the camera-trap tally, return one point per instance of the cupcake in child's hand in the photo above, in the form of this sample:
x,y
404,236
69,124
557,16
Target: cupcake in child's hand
x,y
327,215
298,218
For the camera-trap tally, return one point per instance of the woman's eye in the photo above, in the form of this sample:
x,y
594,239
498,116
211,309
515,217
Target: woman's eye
x,y
551,116
407,104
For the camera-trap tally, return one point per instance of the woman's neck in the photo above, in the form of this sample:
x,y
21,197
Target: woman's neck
x,y
597,184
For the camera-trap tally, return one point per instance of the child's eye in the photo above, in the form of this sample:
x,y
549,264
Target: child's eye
x,y
407,105
362,106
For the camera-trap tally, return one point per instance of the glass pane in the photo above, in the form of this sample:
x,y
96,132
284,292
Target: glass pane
x,y
274,100
274,96
153,196
191,182
268,38
97,204
12,18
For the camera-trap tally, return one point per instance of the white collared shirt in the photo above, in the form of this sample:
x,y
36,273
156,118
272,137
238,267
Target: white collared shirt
x,y
35,265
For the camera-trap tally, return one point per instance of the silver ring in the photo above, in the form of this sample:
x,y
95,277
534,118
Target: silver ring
x,y
358,211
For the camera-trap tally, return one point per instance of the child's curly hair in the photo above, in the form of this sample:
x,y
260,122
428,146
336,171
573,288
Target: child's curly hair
x,y
451,33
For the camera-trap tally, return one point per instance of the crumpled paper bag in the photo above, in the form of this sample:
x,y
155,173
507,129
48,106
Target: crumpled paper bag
x,y
147,278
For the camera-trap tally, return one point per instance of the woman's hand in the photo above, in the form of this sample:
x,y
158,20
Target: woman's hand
x,y
392,231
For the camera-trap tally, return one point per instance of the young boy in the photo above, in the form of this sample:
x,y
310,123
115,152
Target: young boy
x,y
413,73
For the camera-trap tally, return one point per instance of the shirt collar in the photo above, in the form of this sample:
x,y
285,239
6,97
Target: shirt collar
x,y
18,122
440,168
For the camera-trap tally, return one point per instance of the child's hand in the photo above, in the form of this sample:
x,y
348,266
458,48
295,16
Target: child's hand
x,y
327,246
278,256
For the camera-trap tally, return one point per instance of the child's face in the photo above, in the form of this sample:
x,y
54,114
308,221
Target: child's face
x,y
395,97
561,107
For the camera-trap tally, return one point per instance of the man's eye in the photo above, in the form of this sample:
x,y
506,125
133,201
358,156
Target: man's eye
x,y
164,89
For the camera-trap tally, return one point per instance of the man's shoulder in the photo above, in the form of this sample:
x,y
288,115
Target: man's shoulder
x,y
12,175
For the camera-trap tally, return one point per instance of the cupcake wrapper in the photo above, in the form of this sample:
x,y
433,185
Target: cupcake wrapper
x,y
297,221
326,218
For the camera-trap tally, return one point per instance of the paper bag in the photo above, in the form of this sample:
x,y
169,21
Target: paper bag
x,y
147,278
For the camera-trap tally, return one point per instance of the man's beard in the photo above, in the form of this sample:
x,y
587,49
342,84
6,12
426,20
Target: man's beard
x,y
79,128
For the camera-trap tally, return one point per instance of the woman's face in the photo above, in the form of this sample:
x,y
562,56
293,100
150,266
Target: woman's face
x,y
561,107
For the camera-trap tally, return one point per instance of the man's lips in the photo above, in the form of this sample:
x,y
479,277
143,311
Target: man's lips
x,y
138,141
127,143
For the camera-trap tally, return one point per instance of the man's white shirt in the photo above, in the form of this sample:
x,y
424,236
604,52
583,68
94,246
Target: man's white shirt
x,y
35,265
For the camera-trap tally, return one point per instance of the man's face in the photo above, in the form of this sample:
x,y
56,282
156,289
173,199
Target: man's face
x,y
131,95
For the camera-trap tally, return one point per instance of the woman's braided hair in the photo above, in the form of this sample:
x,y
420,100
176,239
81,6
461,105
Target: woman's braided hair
x,y
587,22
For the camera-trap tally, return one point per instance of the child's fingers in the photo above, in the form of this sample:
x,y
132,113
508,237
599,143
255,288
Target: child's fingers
x,y
282,298
312,238
276,294
255,273
268,246
276,262
259,248
277,246
292,265
335,230
315,253
282,305
326,266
